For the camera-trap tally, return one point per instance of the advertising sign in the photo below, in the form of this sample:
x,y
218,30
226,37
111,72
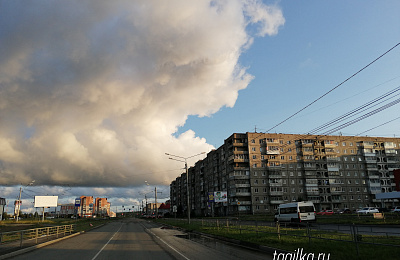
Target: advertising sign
x,y
220,196
211,197
45,201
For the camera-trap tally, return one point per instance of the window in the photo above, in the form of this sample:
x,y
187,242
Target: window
x,y
255,166
254,156
256,190
344,144
253,141
282,157
253,149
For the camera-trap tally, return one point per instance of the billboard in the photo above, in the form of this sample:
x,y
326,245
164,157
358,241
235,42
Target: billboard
x,y
45,201
211,197
220,196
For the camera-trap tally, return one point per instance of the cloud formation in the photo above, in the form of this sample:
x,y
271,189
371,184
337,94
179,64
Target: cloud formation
x,y
91,92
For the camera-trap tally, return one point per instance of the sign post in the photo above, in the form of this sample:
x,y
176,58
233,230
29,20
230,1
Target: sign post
x,y
77,205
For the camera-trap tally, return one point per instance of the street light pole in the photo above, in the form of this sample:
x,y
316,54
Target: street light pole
x,y
187,177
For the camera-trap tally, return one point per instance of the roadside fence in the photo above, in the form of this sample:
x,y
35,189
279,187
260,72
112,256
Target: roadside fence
x,y
21,238
356,234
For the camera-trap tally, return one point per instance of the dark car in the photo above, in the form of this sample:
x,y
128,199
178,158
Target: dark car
x,y
345,211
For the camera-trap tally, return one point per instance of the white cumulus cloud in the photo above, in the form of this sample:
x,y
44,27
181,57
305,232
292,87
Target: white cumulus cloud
x,y
92,92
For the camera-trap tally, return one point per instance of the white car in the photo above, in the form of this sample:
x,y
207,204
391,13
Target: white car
x,y
368,210
396,209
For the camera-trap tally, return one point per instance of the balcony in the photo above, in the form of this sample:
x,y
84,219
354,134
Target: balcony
x,y
241,194
279,184
241,185
272,152
242,203
276,193
241,177
277,201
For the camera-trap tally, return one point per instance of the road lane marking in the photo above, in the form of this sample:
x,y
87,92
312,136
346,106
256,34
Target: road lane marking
x,y
106,243
166,243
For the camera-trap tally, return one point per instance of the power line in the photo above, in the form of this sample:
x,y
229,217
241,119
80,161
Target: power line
x,y
334,87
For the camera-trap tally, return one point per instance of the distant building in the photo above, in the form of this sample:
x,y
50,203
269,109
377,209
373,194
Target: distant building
x,y
86,208
102,207
164,209
67,210
259,171
2,204
151,208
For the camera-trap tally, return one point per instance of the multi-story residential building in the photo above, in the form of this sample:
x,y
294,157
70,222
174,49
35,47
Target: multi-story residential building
x,y
259,171
102,207
86,208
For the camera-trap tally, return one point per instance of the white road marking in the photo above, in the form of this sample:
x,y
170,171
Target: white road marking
x,y
106,243
166,243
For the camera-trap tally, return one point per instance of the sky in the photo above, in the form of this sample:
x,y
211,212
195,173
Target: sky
x,y
93,93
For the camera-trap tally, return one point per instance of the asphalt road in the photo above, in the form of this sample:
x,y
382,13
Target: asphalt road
x,y
139,239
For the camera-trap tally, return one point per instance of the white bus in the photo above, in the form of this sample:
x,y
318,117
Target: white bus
x,y
296,212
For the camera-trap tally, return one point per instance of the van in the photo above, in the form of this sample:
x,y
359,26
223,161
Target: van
x,y
296,212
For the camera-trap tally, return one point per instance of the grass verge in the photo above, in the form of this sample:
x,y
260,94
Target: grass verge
x,y
291,239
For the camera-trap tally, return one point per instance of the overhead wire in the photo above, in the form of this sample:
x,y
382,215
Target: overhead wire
x,y
337,86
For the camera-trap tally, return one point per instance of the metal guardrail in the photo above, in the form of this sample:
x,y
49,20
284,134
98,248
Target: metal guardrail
x,y
21,237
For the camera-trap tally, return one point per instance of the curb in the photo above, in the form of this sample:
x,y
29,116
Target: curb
x,y
244,244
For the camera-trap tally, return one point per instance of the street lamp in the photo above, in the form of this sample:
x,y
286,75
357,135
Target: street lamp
x,y
187,176
155,198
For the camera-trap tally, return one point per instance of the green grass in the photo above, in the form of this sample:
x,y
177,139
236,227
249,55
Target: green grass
x,y
80,224
292,239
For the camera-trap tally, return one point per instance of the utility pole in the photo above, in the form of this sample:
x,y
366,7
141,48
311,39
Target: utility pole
x,y
187,176
155,197
145,197
19,202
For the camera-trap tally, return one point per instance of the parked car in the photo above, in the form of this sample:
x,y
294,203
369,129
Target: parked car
x,y
326,212
396,209
344,211
368,210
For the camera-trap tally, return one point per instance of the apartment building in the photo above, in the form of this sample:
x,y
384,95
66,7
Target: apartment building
x,y
102,207
259,171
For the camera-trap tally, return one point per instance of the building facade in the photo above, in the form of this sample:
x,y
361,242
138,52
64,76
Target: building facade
x,y
102,207
67,210
259,171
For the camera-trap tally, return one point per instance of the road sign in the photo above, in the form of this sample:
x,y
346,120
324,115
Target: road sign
x,y
77,202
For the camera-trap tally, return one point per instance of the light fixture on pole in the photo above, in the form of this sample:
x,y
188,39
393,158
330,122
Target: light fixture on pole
x,y
184,159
